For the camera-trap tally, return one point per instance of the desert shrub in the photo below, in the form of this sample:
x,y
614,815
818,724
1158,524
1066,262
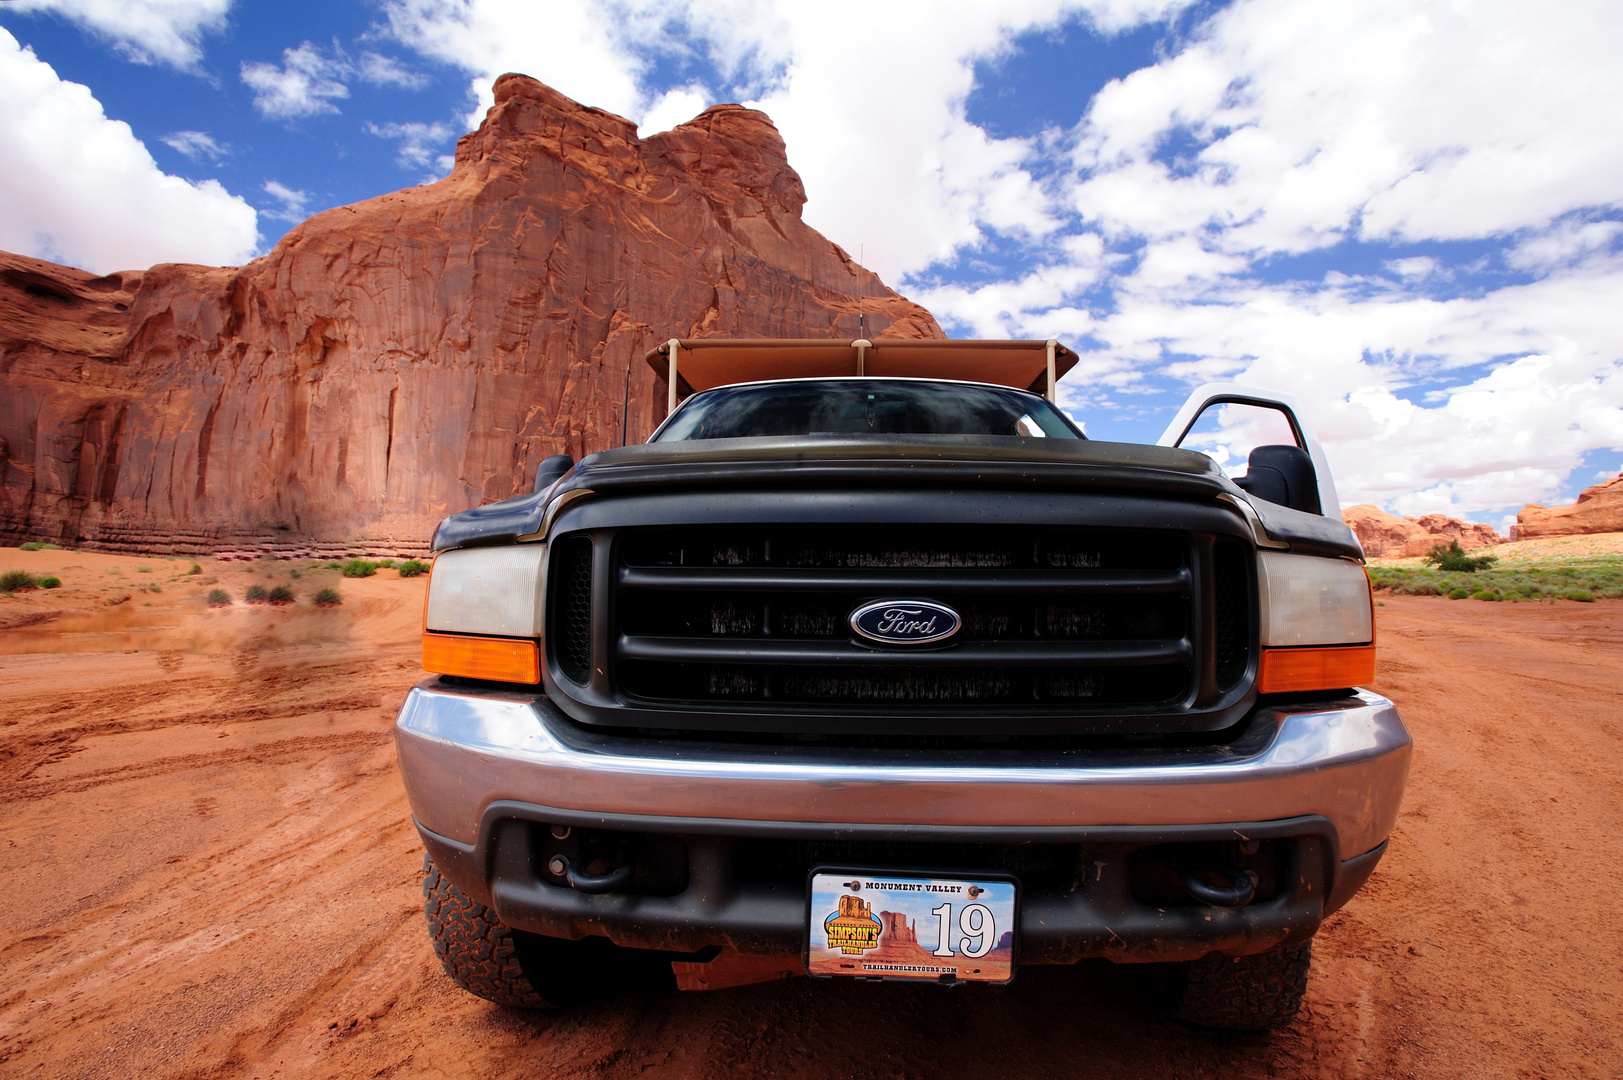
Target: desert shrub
x,y
1583,596
256,594
196,569
328,598
412,567
1458,594
15,580
282,594
1484,594
386,564
360,568
219,598
40,545
143,569
295,574
154,587
1454,559
50,583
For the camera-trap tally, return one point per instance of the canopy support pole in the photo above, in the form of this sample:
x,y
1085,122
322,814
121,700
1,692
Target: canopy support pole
x,y
675,345
862,346
1050,395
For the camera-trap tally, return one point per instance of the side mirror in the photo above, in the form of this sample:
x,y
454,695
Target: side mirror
x,y
1283,475
547,473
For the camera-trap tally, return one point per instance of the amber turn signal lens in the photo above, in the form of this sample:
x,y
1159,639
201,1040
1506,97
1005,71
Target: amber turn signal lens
x,y
1286,671
498,659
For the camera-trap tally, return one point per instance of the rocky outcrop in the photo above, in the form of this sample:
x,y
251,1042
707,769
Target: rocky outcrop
x,y
1388,536
894,927
397,360
1599,509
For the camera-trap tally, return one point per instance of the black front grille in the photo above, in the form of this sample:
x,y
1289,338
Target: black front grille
x,y
1065,631
1050,617
570,589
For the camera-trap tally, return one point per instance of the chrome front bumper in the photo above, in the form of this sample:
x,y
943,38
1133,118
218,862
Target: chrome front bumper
x,y
464,751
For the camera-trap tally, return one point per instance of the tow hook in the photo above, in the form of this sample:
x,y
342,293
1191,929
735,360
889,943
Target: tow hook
x,y
1242,887
595,884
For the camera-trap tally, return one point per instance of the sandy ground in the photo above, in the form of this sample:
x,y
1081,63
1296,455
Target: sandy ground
x,y
212,874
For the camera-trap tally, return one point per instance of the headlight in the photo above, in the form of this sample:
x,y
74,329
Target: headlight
x,y
1318,623
483,616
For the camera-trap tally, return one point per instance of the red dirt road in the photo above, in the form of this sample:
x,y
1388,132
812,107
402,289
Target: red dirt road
x,y
211,872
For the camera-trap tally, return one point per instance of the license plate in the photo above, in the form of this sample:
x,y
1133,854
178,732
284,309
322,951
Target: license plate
x,y
873,925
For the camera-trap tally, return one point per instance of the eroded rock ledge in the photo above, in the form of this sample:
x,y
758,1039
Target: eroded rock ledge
x,y
414,354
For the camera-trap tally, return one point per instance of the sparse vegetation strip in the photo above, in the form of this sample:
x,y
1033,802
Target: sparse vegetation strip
x,y
1583,580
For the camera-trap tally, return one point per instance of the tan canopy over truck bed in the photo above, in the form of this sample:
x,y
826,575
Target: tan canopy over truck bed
x,y
704,363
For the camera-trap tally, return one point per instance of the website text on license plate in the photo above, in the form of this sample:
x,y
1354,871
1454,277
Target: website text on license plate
x,y
873,925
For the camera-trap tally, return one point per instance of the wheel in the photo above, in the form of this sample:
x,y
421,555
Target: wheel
x,y
500,964
1243,993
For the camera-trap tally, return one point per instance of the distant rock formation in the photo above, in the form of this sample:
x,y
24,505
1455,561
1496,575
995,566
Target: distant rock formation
x,y
1388,536
894,928
416,354
1599,509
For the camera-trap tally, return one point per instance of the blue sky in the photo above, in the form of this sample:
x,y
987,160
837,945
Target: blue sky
x,y
1408,215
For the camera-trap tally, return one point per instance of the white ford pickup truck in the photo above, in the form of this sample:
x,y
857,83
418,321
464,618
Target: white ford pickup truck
x,y
869,664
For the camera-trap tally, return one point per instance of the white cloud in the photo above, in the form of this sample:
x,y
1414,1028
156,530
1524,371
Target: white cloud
x,y
196,145
417,140
310,79
870,98
1380,119
295,203
82,189
147,31
305,84
674,107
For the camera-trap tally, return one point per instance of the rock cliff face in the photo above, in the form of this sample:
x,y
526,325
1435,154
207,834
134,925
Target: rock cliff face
x,y
415,354
1385,535
895,929
1599,509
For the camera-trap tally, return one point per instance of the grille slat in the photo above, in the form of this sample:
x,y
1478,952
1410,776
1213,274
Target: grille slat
x,y
899,580
802,653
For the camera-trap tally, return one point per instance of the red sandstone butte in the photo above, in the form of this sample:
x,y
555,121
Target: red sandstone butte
x,y
1386,535
1599,509
413,355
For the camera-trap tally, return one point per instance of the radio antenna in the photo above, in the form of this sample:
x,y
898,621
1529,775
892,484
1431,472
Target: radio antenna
x,y
862,319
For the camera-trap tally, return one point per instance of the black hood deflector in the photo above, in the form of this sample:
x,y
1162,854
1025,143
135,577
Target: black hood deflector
x,y
959,461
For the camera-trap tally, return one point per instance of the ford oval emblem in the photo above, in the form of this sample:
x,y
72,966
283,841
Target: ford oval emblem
x,y
905,622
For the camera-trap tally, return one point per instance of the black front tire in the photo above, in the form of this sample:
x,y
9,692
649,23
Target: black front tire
x,y
493,961
1243,993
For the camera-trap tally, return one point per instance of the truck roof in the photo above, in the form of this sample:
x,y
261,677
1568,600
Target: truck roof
x,y
705,363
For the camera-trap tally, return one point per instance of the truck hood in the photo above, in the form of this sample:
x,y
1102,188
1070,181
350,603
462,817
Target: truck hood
x,y
958,461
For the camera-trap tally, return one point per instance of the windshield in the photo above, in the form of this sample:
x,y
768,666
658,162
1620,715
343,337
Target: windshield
x,y
865,407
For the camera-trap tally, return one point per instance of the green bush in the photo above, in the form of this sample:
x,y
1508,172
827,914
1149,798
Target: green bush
x,y
143,569
195,569
282,594
295,574
1458,594
360,568
385,564
1484,594
412,567
256,594
14,580
50,583
1583,596
1601,576
219,598
1453,558
328,598
40,545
